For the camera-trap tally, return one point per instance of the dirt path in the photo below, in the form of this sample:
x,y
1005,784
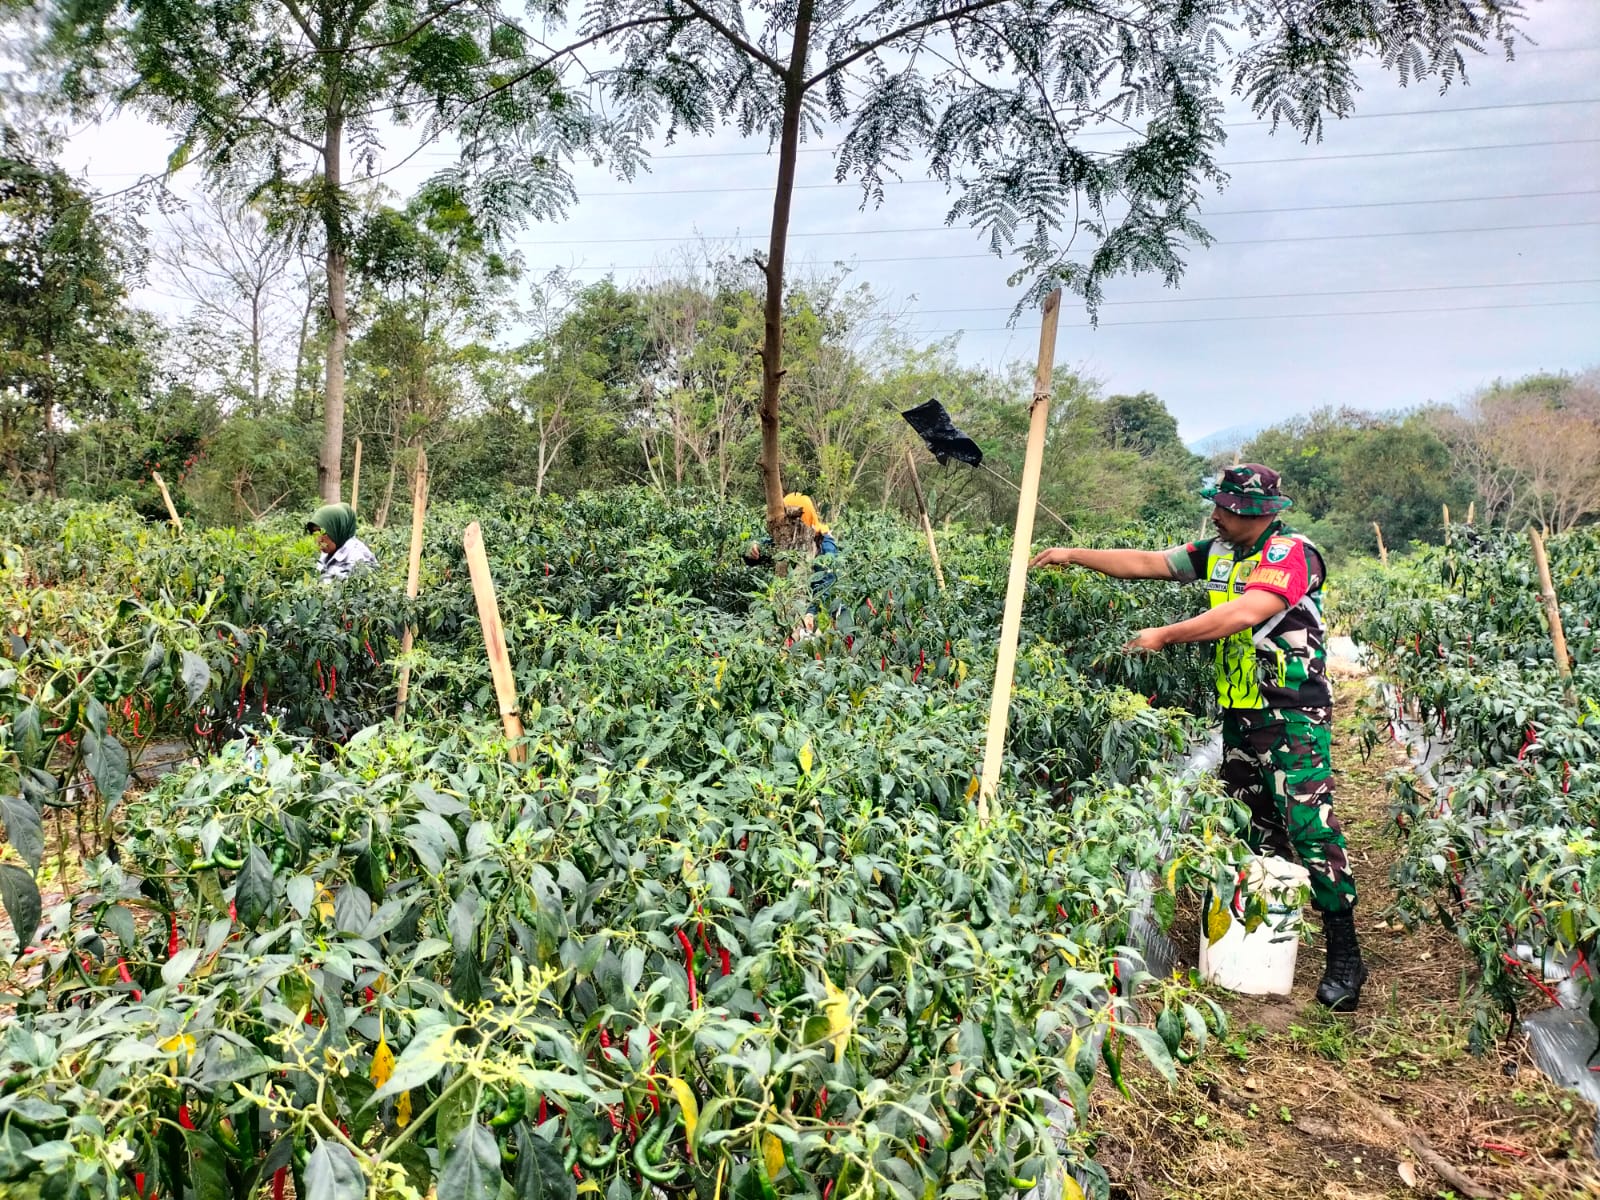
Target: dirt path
x,y
1301,1104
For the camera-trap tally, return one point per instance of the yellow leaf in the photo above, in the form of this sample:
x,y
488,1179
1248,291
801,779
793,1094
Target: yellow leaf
x,y
180,1046
684,1094
324,904
837,1007
402,1111
772,1152
1172,875
1217,922
972,787
805,758
1070,1189
722,669
382,1063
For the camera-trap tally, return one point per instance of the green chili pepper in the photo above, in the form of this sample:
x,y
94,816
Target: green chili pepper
x,y
595,1156
650,1152
516,1105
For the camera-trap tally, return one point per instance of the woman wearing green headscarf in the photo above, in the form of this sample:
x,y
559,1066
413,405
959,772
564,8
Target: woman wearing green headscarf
x,y
343,553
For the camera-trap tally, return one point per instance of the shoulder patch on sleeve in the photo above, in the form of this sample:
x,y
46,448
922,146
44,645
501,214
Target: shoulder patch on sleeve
x,y
1278,549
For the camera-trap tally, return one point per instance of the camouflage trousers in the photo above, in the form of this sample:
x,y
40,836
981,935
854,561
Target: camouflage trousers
x,y
1278,761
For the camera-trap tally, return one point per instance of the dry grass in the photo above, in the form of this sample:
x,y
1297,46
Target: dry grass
x,y
1300,1104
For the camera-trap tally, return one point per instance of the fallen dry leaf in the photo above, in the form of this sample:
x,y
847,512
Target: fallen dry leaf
x,y
1408,1174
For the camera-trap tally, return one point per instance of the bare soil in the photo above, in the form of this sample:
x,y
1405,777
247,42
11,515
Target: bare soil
x,y
1298,1103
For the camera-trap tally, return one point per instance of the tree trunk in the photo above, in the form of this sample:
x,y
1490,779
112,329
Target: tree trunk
x,y
329,466
777,245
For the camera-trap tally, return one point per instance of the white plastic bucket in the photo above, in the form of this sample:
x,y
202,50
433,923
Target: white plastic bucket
x,y
1259,962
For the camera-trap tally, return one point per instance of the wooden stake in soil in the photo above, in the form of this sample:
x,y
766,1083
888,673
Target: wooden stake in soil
x,y
1472,511
1021,551
494,640
1552,611
1383,551
355,478
927,525
1446,524
172,512
419,508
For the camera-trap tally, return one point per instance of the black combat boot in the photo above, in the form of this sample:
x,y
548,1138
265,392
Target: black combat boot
x,y
1340,990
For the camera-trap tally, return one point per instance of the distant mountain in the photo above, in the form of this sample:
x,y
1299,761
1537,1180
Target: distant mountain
x,y
1227,439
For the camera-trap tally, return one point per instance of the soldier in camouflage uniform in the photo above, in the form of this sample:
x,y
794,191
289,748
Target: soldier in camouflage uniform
x,y
1264,583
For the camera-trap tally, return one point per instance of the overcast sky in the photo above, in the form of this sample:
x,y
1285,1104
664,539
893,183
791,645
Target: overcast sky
x,y
1426,247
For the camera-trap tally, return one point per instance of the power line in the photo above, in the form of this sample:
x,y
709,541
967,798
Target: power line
x,y
1439,287
1381,312
1415,112
1319,237
1238,162
1221,212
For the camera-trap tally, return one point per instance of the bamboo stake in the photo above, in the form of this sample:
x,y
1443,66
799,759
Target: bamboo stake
x,y
355,478
494,640
1552,611
419,508
1446,524
1383,551
1472,511
927,525
172,512
1021,551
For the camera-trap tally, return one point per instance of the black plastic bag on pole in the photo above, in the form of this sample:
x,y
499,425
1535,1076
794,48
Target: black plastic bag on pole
x,y
939,433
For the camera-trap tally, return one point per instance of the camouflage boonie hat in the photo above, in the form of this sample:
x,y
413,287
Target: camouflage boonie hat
x,y
1250,490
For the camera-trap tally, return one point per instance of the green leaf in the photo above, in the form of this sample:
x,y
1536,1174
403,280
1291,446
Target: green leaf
x,y
1149,1041
196,675
540,1175
24,829
21,897
119,920
252,896
107,760
27,737
332,1173
208,1167
471,1169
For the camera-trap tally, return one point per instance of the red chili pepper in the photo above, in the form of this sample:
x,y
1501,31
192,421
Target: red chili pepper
x,y
183,1117
370,654
138,1184
233,913
849,641
947,653
173,942
544,1110
688,968
1527,744
883,662
871,608
605,1038
1502,1148
333,682
727,962
1566,777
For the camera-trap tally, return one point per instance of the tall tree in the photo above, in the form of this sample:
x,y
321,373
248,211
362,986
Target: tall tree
x,y
65,333
432,282
237,275
290,101
995,94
